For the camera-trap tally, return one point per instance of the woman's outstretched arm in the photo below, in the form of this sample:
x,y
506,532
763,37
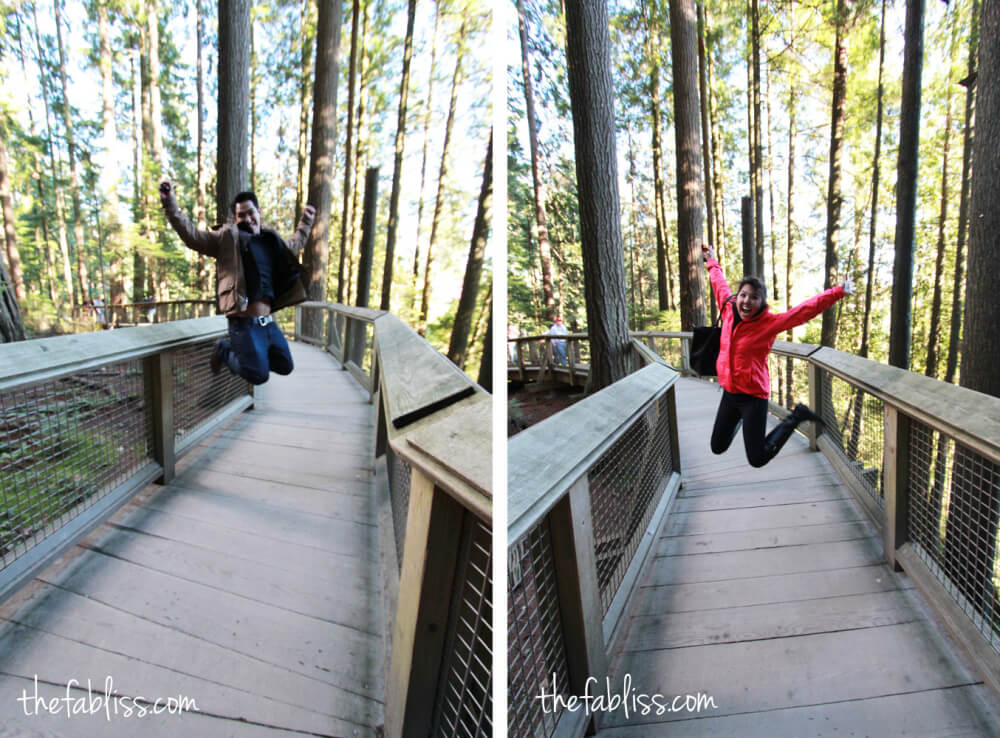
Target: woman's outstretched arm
x,y
720,287
812,307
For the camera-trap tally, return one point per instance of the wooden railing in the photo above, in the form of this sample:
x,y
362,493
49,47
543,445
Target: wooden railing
x,y
135,313
587,488
88,420
433,456
920,455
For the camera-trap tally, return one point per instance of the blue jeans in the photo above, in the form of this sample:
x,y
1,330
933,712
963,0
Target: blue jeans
x,y
252,350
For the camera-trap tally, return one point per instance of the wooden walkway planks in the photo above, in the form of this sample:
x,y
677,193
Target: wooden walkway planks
x,y
250,584
766,590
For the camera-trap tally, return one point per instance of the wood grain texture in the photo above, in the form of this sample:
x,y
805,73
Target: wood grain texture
x,y
768,591
250,583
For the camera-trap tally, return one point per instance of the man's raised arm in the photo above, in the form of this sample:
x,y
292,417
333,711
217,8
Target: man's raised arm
x,y
205,242
301,235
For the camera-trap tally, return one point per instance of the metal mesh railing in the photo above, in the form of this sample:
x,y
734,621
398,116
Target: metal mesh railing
x,y
536,651
854,423
783,368
66,443
399,474
199,394
465,703
625,485
954,511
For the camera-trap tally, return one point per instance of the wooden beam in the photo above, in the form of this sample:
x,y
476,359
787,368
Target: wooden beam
x,y
896,467
430,557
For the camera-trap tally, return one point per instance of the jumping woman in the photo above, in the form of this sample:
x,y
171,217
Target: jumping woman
x,y
748,332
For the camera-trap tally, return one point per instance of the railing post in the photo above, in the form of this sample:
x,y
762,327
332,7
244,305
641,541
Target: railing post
x,y
159,374
298,322
572,529
430,556
896,466
685,355
520,359
675,441
570,360
815,402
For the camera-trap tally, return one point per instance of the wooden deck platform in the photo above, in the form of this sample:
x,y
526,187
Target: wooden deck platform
x,y
766,591
250,584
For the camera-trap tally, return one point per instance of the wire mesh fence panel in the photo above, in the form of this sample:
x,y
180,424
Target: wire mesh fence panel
x,y
536,649
854,421
465,704
625,485
671,350
399,474
789,380
199,394
953,522
66,443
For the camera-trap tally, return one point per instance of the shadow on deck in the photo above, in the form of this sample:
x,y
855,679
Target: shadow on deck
x,y
250,584
767,590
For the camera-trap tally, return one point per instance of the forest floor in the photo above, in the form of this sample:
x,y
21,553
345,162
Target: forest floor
x,y
527,404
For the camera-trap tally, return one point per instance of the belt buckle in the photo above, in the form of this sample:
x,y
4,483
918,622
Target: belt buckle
x,y
263,320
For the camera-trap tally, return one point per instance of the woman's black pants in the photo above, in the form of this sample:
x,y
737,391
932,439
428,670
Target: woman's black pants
x,y
752,412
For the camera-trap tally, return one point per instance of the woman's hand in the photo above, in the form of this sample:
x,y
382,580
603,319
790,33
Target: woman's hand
x,y
848,286
707,251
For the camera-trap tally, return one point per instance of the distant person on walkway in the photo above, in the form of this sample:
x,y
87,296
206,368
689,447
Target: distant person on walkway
x,y
748,332
558,345
257,273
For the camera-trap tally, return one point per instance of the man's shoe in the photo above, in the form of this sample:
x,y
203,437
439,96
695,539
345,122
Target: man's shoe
x,y
801,413
215,363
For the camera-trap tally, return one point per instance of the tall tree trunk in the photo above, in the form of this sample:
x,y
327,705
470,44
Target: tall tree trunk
x,y
138,114
970,534
591,92
203,279
360,155
234,103
83,284
423,157
541,224
793,100
321,158
717,193
305,95
687,124
425,295
253,108
345,218
397,170
876,175
11,323
663,275
834,199
770,193
963,206
933,331
474,266
485,379
706,133
758,148
114,243
53,162
906,187
9,225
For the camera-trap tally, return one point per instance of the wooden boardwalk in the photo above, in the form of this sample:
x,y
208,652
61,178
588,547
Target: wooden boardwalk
x,y
250,584
766,590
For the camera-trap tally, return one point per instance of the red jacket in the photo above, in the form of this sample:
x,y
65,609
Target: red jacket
x,y
743,350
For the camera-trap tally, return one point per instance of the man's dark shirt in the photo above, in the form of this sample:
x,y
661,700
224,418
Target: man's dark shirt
x,y
258,266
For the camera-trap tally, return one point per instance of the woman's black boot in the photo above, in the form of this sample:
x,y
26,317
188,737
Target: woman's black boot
x,y
783,430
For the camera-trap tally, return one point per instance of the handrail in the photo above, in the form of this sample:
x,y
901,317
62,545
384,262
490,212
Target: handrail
x,y
432,451
586,489
88,420
42,359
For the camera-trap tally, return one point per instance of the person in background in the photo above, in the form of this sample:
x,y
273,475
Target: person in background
x,y
558,345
